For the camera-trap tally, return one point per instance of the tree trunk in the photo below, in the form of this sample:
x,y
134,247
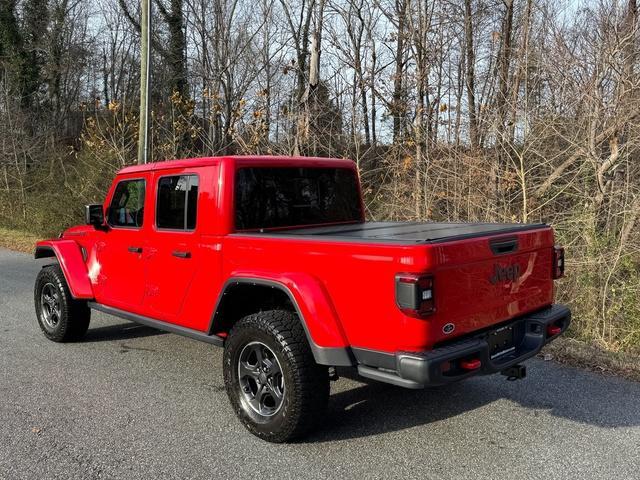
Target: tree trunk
x,y
503,70
398,108
470,75
308,102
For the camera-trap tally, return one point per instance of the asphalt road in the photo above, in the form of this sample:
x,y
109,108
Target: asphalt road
x,y
133,402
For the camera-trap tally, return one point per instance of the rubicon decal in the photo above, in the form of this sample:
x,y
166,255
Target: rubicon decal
x,y
508,273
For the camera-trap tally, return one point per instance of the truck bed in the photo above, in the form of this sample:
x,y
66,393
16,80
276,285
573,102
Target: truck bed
x,y
401,232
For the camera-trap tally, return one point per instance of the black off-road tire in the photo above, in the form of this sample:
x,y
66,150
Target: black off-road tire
x,y
72,317
305,393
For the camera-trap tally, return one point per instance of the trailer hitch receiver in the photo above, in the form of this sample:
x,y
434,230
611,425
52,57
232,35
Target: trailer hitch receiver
x,y
515,372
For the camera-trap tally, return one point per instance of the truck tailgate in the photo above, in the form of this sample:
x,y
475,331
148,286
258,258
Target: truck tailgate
x,y
481,282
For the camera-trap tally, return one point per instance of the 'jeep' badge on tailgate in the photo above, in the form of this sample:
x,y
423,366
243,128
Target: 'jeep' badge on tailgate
x,y
509,273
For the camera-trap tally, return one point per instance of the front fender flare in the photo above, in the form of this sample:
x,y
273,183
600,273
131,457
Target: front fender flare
x,y
314,308
69,256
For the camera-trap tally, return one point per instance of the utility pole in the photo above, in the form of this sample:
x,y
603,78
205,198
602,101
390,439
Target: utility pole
x,y
145,80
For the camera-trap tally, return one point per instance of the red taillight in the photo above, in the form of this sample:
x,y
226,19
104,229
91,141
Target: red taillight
x,y
558,262
414,294
553,330
472,364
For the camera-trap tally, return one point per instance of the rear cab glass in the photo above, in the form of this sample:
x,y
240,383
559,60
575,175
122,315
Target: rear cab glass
x,y
275,197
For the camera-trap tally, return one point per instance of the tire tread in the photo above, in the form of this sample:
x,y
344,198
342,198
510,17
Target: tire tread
x,y
311,381
76,313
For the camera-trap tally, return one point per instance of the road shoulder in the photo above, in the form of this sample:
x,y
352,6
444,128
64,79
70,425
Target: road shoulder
x,y
570,351
17,240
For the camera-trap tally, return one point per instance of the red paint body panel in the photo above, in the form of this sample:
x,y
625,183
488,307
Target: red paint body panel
x,y
465,295
71,262
345,290
117,274
359,280
309,293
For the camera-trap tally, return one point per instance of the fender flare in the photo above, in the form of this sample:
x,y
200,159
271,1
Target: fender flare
x,y
311,303
71,261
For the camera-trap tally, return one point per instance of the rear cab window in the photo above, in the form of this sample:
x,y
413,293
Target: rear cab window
x,y
126,209
273,197
177,202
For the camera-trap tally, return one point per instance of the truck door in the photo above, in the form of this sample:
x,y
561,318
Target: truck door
x,y
120,266
172,255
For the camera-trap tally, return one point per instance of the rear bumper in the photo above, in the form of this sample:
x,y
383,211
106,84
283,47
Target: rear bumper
x,y
445,364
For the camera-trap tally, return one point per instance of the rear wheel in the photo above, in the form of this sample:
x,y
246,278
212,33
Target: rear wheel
x,y
274,385
61,318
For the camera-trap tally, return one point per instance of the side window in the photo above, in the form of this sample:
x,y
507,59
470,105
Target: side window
x,y
127,205
177,202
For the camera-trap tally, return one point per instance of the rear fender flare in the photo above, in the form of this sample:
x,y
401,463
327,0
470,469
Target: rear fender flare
x,y
315,311
71,261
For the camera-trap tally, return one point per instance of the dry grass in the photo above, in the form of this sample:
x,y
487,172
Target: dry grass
x,y
579,354
17,240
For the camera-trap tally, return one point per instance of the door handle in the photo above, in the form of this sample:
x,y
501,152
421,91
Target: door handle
x,y
179,254
135,249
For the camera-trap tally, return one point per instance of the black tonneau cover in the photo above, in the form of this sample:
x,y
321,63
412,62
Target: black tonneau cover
x,y
400,232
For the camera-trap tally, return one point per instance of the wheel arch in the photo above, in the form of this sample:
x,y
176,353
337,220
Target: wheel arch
x,y
270,293
71,261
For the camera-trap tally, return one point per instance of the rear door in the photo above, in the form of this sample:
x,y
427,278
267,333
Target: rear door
x,y
172,253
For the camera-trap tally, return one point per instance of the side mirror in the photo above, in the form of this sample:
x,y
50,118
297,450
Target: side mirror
x,y
94,215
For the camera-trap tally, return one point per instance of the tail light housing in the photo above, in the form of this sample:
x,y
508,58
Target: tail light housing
x,y
558,262
415,294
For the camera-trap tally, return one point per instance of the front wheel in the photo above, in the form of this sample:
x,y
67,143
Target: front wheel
x,y
274,385
60,316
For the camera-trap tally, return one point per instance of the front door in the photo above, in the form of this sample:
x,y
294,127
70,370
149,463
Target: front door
x,y
172,253
119,252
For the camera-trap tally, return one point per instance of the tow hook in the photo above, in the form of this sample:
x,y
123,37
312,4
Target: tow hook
x,y
515,372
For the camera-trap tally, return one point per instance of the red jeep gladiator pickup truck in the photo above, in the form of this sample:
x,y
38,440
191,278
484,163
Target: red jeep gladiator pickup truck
x,y
272,258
